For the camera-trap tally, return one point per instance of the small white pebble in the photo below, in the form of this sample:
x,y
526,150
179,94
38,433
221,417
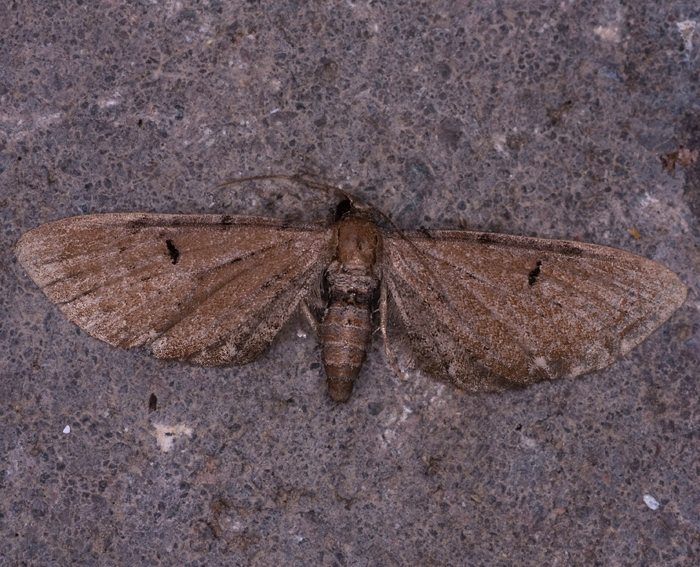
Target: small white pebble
x,y
651,502
66,429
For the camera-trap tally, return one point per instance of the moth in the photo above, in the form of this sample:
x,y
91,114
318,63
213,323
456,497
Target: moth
x,y
480,310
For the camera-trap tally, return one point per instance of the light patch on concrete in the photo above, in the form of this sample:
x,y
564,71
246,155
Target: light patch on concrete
x,y
650,205
609,33
109,102
499,143
389,435
687,30
439,397
648,200
166,434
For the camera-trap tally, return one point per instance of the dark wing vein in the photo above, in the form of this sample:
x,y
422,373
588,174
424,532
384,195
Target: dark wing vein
x,y
241,302
252,338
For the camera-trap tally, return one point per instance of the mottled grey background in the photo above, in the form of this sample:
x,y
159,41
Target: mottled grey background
x,y
538,118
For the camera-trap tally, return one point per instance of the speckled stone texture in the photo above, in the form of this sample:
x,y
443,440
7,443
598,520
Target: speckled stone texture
x,y
539,118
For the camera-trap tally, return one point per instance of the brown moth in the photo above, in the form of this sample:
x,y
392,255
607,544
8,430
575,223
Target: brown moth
x,y
483,311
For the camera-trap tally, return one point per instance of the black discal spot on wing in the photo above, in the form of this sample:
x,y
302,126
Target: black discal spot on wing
x,y
152,402
534,273
173,252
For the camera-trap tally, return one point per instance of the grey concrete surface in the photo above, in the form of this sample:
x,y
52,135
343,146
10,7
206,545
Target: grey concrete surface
x,y
538,118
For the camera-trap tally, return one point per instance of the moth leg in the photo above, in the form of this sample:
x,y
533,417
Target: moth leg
x,y
310,317
383,324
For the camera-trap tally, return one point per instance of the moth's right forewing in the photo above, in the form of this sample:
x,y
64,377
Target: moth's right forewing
x,y
208,288
482,309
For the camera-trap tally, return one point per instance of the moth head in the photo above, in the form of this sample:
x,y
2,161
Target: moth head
x,y
350,206
343,208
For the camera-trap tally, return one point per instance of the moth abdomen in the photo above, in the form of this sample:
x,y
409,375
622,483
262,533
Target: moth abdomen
x,y
345,334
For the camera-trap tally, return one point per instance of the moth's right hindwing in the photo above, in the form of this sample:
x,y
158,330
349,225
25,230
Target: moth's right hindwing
x,y
208,288
485,310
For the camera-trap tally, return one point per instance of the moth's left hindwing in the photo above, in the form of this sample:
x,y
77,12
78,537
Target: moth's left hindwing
x,y
212,289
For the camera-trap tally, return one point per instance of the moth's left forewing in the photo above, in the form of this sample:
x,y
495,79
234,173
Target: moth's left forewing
x,y
212,289
482,308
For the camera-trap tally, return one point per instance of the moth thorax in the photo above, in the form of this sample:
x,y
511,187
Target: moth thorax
x,y
358,243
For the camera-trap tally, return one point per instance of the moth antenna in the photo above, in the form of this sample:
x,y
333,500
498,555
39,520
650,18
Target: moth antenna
x,y
299,178
312,182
